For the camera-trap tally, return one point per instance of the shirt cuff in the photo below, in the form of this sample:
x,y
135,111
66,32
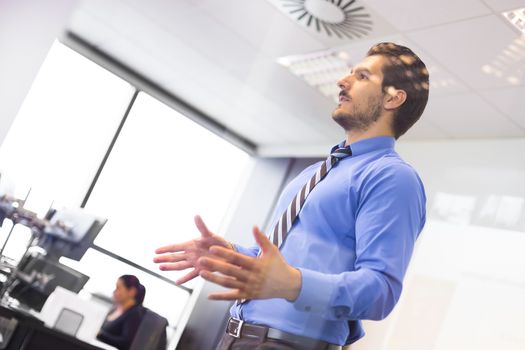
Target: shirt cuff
x,y
316,293
244,250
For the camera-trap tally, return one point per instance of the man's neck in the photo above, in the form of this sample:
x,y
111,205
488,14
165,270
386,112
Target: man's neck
x,y
374,131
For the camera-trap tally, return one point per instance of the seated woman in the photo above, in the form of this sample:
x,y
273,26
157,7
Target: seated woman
x,y
124,318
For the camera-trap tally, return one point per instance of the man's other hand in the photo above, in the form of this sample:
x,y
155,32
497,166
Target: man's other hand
x,y
267,276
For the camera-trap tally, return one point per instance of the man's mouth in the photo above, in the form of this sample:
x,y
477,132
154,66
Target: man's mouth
x,y
343,98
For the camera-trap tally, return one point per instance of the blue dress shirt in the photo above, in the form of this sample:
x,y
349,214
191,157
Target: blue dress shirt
x,y
352,242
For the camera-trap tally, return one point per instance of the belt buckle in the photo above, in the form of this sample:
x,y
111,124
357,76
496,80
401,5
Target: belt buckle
x,y
238,329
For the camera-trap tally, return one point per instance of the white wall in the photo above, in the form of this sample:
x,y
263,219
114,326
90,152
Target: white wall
x,y
468,166
465,284
27,30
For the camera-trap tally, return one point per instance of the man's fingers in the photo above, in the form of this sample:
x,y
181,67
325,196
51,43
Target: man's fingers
x,y
225,268
201,226
221,280
232,257
170,258
172,248
189,276
262,240
183,265
229,295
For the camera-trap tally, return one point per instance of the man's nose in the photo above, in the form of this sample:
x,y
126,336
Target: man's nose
x,y
343,83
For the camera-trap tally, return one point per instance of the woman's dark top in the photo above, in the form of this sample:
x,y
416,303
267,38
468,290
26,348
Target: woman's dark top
x,y
121,331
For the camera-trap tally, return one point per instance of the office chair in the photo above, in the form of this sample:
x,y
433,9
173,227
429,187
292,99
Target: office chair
x,y
151,334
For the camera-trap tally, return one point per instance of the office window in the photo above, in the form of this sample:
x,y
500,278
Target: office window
x,y
60,135
164,169
63,128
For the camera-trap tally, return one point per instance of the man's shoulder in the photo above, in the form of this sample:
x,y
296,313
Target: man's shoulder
x,y
390,165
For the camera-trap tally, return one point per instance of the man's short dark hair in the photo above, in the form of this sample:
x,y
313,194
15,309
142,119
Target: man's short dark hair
x,y
404,71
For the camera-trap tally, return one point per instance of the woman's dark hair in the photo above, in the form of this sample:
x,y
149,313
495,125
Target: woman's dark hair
x,y
131,281
404,71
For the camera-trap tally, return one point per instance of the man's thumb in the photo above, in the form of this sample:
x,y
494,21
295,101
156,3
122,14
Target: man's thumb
x,y
201,226
262,240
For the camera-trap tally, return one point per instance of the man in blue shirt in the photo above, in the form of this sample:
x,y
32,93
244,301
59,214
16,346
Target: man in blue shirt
x,y
344,234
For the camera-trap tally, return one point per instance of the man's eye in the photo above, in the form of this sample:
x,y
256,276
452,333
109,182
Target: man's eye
x,y
363,76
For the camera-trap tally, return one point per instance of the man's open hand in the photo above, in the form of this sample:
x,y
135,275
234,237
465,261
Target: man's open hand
x,y
264,277
183,256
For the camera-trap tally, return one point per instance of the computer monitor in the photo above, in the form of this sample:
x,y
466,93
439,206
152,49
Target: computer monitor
x,y
74,243
38,277
77,251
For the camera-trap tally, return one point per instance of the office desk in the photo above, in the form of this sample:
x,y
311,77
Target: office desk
x,y
32,334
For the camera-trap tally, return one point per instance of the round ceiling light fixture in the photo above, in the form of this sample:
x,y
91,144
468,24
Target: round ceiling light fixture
x,y
341,18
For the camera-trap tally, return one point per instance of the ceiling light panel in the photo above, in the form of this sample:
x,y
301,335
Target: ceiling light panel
x,y
516,18
320,70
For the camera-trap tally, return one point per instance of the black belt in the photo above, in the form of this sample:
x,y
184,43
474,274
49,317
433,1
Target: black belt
x,y
240,329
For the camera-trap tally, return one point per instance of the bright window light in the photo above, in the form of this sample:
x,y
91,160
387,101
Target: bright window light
x,y
60,135
63,129
164,169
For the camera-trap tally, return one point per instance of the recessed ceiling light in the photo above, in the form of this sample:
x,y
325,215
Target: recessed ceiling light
x,y
321,69
516,18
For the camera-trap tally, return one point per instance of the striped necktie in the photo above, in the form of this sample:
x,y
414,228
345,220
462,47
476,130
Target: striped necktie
x,y
290,214
283,226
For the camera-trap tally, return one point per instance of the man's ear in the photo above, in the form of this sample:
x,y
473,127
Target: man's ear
x,y
394,98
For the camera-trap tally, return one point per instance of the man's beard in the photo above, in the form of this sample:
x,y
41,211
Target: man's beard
x,y
360,120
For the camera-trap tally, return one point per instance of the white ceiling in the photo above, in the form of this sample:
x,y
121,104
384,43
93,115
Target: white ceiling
x,y
220,55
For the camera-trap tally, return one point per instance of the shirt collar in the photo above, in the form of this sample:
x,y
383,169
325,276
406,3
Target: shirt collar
x,y
368,145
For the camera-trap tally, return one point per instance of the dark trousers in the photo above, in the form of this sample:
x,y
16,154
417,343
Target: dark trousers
x,y
229,342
